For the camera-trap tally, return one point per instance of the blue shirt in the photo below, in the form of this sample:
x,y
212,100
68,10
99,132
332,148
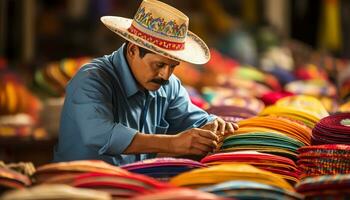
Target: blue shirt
x,y
104,109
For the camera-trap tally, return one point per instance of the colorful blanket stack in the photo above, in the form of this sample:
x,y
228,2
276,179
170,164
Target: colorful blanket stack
x,y
98,175
282,166
324,160
163,168
334,129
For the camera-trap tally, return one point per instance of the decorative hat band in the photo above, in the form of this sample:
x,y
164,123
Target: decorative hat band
x,y
169,45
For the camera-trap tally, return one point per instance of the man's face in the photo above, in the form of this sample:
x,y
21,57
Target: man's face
x,y
152,70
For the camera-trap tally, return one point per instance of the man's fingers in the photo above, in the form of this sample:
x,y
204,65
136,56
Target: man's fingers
x,y
230,128
208,142
222,126
208,134
215,126
235,125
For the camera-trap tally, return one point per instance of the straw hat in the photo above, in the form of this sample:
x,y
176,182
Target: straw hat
x,y
162,29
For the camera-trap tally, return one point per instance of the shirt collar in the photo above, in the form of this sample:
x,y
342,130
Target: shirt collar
x,y
125,75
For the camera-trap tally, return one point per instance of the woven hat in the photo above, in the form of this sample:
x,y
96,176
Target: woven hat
x,y
162,29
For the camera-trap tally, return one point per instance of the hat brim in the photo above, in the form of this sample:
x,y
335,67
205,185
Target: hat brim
x,y
195,51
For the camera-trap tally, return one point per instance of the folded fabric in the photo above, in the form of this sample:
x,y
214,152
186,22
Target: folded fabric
x,y
325,187
276,124
312,87
119,185
10,179
250,190
344,107
282,166
65,172
306,109
178,193
251,103
55,192
334,129
163,168
324,160
227,172
231,113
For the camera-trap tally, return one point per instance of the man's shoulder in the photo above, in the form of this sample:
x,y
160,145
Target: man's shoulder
x,y
96,72
98,68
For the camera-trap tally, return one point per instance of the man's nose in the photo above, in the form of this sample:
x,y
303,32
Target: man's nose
x,y
165,72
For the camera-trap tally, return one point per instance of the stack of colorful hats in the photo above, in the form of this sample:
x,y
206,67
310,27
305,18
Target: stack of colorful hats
x,y
276,124
252,87
324,160
19,125
325,187
250,103
220,96
330,104
10,179
66,172
345,107
305,109
251,190
334,129
273,96
119,185
55,192
163,168
315,88
232,104
178,193
311,72
52,79
228,172
231,113
282,166
16,98
19,108
97,175
264,142
245,72
322,89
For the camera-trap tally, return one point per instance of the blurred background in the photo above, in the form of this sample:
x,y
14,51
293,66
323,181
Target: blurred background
x,y
262,50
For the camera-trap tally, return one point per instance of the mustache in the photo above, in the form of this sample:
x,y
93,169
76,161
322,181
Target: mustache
x,y
160,81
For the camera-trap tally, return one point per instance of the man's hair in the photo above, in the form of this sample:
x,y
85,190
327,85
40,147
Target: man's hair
x,y
142,51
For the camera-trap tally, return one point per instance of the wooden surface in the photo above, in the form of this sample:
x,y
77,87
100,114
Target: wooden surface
x,y
38,152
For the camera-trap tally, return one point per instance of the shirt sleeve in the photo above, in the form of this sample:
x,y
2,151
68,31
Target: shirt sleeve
x,y
181,113
92,110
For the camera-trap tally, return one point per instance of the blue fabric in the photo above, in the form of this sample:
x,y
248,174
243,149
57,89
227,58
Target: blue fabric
x,y
103,108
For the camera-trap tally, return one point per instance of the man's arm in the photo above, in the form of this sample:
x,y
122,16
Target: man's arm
x,y
192,142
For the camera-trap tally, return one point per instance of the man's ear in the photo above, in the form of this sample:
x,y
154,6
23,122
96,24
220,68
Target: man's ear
x,y
132,50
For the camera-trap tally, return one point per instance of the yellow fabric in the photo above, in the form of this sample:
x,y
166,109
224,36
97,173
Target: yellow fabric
x,y
304,103
282,125
226,172
260,149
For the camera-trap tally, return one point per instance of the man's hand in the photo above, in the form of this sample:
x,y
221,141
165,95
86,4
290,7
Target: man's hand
x,y
220,127
194,142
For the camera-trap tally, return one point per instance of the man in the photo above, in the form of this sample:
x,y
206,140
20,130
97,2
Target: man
x,y
128,106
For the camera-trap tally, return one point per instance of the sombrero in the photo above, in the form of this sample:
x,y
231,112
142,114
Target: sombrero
x,y
162,29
